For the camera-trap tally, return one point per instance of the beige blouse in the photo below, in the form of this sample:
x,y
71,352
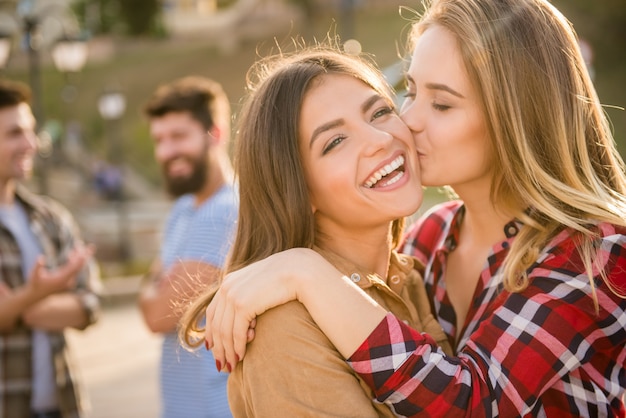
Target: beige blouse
x,y
291,369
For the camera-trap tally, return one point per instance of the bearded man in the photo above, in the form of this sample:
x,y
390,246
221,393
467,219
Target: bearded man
x,y
189,122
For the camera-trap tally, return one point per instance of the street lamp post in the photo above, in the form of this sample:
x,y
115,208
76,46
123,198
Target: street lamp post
x,y
27,17
111,106
70,56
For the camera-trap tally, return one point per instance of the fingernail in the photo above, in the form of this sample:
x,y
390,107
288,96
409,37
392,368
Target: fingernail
x,y
218,365
206,345
236,358
230,369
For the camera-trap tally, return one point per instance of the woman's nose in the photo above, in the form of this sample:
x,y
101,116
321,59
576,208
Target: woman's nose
x,y
377,139
411,115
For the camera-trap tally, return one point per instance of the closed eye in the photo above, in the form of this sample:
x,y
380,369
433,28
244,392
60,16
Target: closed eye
x,y
440,107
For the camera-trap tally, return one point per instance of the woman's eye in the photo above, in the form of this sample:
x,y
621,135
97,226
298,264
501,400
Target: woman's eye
x,y
382,112
332,144
440,107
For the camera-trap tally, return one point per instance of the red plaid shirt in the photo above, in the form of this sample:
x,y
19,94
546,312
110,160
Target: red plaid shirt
x,y
541,352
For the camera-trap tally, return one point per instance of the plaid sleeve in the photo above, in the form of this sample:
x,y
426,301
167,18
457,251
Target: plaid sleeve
x,y
395,359
88,284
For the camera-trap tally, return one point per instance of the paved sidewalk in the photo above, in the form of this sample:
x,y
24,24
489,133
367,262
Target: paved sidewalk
x,y
118,363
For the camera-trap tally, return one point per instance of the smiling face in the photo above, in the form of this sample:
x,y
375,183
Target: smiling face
x,y
358,156
443,111
18,142
180,147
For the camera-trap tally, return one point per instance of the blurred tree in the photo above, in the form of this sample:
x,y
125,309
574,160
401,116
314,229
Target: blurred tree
x,y
142,17
133,17
221,4
307,6
311,13
98,16
603,23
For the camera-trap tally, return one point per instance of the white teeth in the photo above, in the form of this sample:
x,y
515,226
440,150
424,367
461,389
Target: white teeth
x,y
386,170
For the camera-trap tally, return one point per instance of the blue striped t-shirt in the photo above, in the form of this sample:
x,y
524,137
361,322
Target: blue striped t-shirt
x,y
191,387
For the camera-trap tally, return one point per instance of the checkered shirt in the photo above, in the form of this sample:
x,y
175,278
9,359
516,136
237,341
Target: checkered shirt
x,y
57,232
542,352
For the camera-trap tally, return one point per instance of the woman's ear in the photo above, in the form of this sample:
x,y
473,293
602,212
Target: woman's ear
x,y
215,135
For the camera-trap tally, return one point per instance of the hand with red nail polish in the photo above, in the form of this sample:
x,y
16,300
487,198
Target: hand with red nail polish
x,y
231,314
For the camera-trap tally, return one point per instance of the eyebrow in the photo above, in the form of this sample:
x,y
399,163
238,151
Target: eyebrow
x,y
338,122
437,86
16,129
444,87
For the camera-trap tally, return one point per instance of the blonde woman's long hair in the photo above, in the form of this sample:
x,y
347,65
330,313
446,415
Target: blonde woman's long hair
x,y
275,211
554,150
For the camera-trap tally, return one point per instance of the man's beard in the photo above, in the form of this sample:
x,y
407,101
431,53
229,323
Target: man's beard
x,y
178,186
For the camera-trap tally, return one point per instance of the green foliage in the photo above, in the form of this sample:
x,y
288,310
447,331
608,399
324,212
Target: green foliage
x,y
140,16
225,3
132,17
98,16
602,23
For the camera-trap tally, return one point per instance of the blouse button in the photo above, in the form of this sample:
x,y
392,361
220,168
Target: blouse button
x,y
511,230
355,277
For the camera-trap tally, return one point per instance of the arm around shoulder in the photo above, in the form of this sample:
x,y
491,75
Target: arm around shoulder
x,y
292,369
344,313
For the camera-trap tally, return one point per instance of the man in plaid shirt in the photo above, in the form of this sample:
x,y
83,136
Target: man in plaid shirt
x,y
48,280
